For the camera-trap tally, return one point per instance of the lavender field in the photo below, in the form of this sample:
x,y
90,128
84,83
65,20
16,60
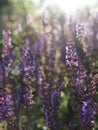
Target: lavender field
x,y
48,65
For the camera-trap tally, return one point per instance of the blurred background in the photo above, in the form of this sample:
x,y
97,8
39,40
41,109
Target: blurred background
x,y
68,20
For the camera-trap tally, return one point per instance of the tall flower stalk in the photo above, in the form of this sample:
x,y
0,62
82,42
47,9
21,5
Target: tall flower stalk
x,y
47,71
27,69
50,101
6,96
6,51
82,99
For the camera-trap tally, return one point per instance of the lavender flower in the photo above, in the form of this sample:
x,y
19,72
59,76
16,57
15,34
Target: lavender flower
x,y
51,104
88,106
80,93
6,96
1,77
84,112
7,46
81,32
6,100
88,112
27,69
46,80
51,101
71,55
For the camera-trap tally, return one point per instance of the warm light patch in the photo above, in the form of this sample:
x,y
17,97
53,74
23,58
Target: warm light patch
x,y
68,6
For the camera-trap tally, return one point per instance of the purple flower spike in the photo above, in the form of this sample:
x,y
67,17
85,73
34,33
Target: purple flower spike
x,y
7,46
71,55
84,95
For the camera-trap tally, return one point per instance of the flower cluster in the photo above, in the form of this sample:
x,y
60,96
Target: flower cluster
x,y
81,32
51,101
1,91
50,87
71,55
82,95
6,87
7,46
27,78
81,36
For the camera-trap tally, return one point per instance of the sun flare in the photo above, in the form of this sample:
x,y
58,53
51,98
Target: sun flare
x,y
68,6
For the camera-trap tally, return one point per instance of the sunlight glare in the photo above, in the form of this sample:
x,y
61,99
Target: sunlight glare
x,y
68,6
